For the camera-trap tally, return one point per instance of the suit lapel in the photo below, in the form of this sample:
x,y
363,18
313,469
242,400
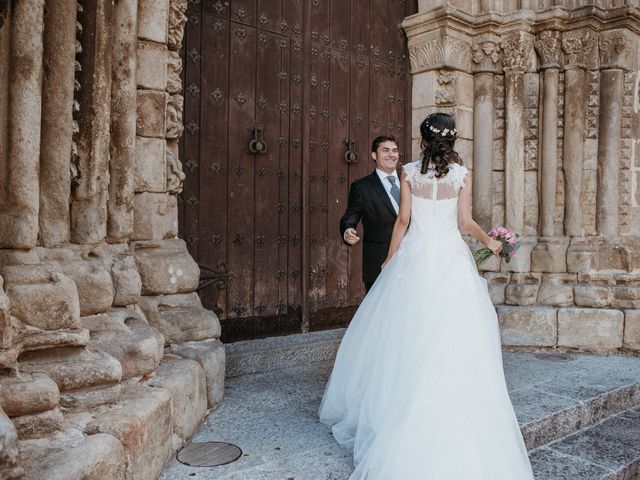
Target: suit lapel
x,y
382,193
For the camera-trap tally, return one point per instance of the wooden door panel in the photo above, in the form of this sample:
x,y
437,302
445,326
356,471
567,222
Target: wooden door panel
x,y
244,11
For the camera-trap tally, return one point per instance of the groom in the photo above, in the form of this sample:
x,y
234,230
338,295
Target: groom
x,y
374,199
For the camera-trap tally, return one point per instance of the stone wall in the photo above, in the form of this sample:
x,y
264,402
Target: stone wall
x,y
547,102
108,361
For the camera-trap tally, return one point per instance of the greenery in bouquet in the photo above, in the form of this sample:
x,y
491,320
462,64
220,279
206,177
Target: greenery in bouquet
x,y
510,245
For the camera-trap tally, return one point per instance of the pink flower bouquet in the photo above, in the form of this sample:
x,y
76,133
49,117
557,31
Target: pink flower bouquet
x,y
510,245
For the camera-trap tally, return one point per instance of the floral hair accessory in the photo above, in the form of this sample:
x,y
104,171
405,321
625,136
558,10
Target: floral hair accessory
x,y
446,132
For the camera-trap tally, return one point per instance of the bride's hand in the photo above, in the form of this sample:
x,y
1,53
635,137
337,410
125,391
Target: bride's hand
x,y
495,246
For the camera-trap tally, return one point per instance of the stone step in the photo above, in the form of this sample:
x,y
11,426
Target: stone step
x,y
275,353
609,450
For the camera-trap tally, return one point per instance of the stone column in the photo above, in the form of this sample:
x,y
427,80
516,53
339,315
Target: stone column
x,y
486,58
548,48
19,216
122,162
577,46
614,50
89,203
5,68
516,47
57,120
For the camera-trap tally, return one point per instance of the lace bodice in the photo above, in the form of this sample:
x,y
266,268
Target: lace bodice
x,y
429,187
434,206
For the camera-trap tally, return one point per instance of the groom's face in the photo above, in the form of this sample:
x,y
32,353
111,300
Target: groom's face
x,y
386,156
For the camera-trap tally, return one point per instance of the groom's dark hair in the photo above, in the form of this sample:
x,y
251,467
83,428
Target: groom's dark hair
x,y
382,138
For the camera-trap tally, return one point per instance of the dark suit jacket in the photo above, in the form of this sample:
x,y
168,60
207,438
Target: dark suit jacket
x,y
369,202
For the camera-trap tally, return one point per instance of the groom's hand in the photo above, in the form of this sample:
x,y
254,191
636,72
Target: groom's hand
x,y
351,236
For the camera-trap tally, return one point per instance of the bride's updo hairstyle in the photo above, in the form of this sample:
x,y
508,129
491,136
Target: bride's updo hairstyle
x,y
439,135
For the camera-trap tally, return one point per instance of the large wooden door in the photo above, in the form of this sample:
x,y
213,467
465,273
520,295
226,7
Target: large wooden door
x,y
273,91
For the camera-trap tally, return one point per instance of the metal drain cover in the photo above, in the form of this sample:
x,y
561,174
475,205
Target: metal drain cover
x,y
209,454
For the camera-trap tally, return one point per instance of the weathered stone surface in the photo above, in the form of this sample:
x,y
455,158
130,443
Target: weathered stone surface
x,y
7,331
42,298
590,328
73,367
185,381
155,216
177,19
133,342
36,339
625,297
497,283
152,66
166,267
38,425
523,289
153,17
632,329
174,123
18,257
9,469
528,326
94,284
90,397
27,393
151,113
592,295
126,281
180,318
210,355
93,457
142,421
9,356
521,262
150,164
603,255
174,71
550,255
557,289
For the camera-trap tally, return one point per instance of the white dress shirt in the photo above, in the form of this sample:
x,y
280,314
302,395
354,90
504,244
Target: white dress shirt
x,y
387,186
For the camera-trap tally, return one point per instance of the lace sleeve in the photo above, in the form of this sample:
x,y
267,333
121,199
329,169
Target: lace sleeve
x,y
410,171
459,175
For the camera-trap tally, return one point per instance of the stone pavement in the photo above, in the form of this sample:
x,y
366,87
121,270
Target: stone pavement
x,y
580,411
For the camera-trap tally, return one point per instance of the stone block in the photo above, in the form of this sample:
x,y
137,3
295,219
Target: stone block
x,y
151,65
27,393
66,457
94,284
166,267
150,165
142,421
9,468
625,296
210,354
603,255
85,399
523,289
73,367
180,318
36,339
9,356
557,289
42,298
530,326
153,17
521,261
550,255
590,328
497,283
151,114
7,331
126,281
592,295
155,216
38,425
185,381
133,342
631,337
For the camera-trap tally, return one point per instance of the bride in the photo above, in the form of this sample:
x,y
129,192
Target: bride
x,y
417,389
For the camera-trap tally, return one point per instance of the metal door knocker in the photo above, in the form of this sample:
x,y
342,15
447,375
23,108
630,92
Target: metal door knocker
x,y
257,145
350,155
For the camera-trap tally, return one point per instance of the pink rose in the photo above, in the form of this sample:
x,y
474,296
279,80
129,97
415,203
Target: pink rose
x,y
512,253
512,240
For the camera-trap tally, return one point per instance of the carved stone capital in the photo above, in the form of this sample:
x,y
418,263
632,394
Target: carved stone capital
x,y
617,48
517,48
578,46
434,53
486,56
177,19
549,48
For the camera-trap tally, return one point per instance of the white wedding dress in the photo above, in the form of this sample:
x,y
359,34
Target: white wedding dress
x,y
418,389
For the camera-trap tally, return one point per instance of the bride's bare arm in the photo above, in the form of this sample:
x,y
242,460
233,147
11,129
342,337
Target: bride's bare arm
x,y
466,221
404,216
